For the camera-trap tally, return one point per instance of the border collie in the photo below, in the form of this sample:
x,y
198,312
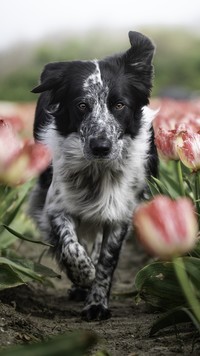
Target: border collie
x,y
93,116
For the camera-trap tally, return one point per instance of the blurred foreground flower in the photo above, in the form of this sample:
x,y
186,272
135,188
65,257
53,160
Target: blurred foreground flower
x,y
167,227
19,160
188,149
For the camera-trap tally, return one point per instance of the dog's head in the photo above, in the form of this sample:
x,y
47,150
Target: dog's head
x,y
100,100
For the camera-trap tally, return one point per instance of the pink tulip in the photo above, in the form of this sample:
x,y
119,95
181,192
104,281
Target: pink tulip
x,y
19,160
174,113
16,122
165,141
188,149
167,227
10,143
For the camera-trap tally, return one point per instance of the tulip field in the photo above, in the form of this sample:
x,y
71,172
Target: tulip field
x,y
168,225
156,292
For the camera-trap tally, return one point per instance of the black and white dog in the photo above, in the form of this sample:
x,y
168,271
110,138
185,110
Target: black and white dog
x,y
93,116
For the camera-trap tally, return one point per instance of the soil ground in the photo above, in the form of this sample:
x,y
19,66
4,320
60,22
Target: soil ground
x,y
33,313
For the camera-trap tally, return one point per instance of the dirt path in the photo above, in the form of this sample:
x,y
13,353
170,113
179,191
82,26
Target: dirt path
x,y
33,313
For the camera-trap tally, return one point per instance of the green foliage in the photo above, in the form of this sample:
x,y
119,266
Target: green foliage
x,y
70,344
174,181
16,270
162,285
174,316
177,60
158,284
20,74
173,286
22,237
17,85
12,200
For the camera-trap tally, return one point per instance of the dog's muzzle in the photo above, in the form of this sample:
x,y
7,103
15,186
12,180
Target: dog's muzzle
x,y
100,147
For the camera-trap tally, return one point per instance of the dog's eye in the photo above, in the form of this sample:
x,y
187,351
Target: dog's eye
x,y
119,106
82,106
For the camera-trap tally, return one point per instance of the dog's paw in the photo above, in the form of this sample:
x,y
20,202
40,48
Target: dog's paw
x,y
77,294
95,312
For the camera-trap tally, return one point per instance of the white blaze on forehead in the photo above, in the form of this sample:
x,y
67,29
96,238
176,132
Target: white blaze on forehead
x,y
94,78
97,92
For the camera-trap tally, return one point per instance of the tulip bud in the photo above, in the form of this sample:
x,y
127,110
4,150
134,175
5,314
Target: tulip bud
x,y
188,149
31,160
10,143
20,160
167,227
165,142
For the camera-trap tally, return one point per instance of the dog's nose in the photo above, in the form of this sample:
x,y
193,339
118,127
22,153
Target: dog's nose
x,y
100,146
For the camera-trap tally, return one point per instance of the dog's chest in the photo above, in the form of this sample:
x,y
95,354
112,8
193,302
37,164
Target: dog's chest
x,y
103,196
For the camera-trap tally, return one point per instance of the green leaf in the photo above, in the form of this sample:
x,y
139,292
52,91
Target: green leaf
x,y
27,270
9,277
22,237
161,186
10,215
196,251
153,188
192,267
11,202
6,240
72,344
172,185
36,267
157,284
172,317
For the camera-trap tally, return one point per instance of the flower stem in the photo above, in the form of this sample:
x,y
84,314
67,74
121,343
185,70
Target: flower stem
x,y
197,192
186,286
180,177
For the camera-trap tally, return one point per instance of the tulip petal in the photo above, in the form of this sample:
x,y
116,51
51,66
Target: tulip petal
x,y
20,159
162,228
165,142
188,148
10,144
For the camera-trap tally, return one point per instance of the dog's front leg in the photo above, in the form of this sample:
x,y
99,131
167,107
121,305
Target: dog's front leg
x,y
96,307
69,253
79,294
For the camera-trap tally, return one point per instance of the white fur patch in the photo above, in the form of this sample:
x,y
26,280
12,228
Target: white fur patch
x,y
149,114
94,78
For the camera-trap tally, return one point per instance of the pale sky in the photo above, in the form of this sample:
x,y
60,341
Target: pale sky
x,y
30,20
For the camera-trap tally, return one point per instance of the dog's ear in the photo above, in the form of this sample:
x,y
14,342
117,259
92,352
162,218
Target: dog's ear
x,y
51,76
141,51
137,64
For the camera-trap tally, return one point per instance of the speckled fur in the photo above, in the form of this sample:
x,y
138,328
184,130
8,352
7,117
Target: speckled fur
x,y
83,193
